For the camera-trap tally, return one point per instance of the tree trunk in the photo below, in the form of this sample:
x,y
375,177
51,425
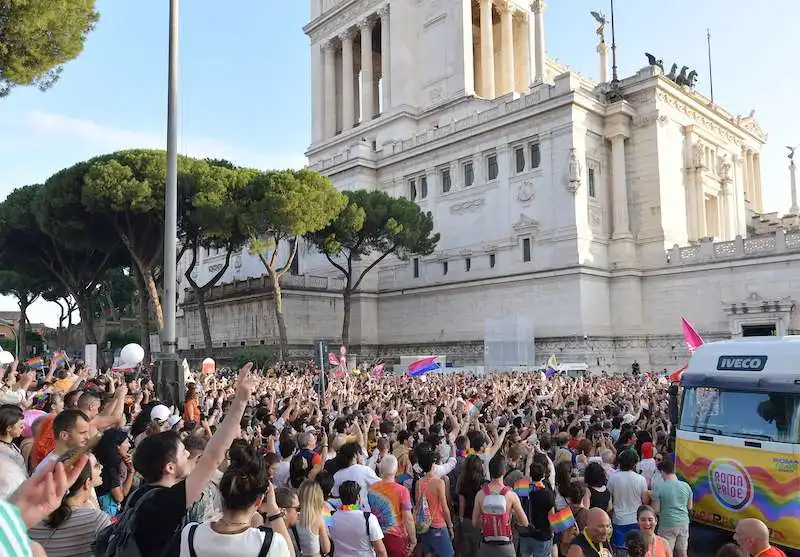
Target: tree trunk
x,y
200,296
152,290
346,298
283,337
23,324
87,319
144,314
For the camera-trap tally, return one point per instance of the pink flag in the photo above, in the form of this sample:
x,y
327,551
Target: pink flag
x,y
692,337
377,371
332,359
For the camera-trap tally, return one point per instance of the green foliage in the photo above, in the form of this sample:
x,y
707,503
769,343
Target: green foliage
x,y
261,356
116,293
38,36
8,344
377,225
34,342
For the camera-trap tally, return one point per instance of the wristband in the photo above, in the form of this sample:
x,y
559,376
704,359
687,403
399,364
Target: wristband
x,y
275,517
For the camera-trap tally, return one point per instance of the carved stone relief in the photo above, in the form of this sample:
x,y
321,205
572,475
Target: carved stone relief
x,y
595,218
526,192
575,171
470,206
526,224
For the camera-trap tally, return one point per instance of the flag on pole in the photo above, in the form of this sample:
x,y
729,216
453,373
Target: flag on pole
x,y
552,366
691,336
35,363
332,359
422,366
676,375
59,358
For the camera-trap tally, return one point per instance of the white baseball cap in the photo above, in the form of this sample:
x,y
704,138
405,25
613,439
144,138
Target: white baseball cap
x,y
173,419
160,413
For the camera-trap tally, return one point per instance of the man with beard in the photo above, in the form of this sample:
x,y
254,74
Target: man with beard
x,y
593,541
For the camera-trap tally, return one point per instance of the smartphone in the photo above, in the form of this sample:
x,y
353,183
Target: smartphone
x,y
70,457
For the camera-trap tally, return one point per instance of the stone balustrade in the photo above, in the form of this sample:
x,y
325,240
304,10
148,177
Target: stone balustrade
x,y
781,242
261,285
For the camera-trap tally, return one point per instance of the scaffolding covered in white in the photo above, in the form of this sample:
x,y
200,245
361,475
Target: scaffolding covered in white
x,y
508,344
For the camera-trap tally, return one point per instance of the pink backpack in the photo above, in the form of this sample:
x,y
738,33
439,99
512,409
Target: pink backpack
x,y
495,515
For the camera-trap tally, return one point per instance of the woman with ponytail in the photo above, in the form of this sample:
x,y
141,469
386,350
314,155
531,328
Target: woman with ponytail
x,y
70,530
243,488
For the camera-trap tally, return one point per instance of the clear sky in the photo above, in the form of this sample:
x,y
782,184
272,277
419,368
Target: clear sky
x,y
245,81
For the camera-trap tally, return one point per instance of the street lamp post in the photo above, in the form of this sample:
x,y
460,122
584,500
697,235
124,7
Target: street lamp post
x,y
169,383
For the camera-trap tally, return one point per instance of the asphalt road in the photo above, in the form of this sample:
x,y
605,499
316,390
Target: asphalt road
x,y
704,542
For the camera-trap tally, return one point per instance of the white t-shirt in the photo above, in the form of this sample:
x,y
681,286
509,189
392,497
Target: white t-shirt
x,y
626,490
349,534
647,468
208,543
282,474
364,476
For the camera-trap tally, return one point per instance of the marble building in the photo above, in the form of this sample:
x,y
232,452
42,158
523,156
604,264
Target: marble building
x,y
589,216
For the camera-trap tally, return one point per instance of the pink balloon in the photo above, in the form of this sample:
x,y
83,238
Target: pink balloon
x,y
28,417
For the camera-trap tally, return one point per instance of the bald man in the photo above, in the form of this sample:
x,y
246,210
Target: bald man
x,y
752,535
593,541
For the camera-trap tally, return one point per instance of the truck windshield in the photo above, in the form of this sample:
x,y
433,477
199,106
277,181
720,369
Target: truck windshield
x,y
752,415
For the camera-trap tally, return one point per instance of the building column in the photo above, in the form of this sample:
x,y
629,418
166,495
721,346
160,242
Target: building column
x,y
757,182
702,224
748,161
722,213
537,7
367,74
330,88
622,228
507,38
348,80
318,118
386,66
487,49
527,67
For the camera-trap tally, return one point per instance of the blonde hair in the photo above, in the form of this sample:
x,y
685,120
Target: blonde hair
x,y
311,502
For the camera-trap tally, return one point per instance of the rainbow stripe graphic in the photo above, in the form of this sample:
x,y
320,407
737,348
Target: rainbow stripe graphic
x,y
561,520
731,483
35,363
327,515
59,358
402,478
522,487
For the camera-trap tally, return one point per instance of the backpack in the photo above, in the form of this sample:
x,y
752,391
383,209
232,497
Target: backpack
x,y
119,539
422,514
495,515
264,546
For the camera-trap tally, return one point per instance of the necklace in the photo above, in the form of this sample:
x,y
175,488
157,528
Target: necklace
x,y
229,523
599,550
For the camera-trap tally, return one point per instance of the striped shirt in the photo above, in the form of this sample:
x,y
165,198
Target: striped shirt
x,y
13,541
74,537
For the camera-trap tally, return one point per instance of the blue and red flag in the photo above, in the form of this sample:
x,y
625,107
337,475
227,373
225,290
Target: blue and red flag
x,y
422,366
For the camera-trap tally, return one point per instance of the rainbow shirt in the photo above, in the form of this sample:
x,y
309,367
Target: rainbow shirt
x,y
387,501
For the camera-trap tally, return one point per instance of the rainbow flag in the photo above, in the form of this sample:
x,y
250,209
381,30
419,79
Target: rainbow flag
x,y
35,363
402,478
420,367
59,358
327,515
561,520
522,487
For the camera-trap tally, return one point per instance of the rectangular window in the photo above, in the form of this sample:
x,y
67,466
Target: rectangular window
x,y
469,174
423,187
526,249
491,168
492,260
444,267
590,183
412,190
519,160
416,267
536,156
467,264
444,176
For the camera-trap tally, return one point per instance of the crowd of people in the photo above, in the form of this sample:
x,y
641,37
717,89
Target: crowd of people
x,y
265,463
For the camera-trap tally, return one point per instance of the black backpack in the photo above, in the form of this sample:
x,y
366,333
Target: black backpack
x,y
268,533
119,540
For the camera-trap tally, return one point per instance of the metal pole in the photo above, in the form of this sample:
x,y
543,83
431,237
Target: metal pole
x,y
614,77
171,201
169,375
710,73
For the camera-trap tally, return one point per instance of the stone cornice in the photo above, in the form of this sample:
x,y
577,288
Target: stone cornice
x,y
331,22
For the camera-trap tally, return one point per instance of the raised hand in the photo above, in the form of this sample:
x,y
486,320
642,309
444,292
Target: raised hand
x,y
246,382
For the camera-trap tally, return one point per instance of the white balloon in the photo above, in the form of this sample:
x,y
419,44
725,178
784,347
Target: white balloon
x,y
209,365
131,355
6,357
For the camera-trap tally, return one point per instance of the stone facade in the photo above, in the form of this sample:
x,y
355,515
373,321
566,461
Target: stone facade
x,y
556,203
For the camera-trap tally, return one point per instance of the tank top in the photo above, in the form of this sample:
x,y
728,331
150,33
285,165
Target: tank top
x,y
434,504
308,541
658,548
591,549
599,499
